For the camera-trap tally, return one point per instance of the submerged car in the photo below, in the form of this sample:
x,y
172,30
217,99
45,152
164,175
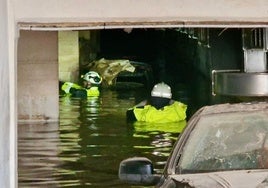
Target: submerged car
x,y
143,75
223,145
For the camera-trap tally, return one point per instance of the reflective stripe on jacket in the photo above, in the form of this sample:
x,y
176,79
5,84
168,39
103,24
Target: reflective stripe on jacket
x,y
171,113
68,85
91,92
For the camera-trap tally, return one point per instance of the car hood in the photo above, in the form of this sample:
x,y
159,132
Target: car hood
x,y
226,179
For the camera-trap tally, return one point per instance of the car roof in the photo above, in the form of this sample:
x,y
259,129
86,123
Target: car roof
x,y
234,107
207,111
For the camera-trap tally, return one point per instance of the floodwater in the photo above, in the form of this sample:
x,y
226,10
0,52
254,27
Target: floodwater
x,y
85,148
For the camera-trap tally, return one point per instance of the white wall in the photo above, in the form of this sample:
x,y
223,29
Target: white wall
x,y
4,95
8,116
141,10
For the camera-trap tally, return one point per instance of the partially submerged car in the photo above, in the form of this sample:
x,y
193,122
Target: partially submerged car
x,y
224,145
142,75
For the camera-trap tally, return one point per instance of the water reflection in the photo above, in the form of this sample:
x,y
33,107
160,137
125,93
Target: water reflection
x,y
38,154
85,148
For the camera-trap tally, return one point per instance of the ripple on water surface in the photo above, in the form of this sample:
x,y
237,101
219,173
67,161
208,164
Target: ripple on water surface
x,y
85,148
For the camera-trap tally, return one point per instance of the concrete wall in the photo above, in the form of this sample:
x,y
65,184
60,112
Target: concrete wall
x,y
4,94
38,76
8,115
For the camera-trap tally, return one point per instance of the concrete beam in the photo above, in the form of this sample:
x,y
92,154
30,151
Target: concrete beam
x,y
149,13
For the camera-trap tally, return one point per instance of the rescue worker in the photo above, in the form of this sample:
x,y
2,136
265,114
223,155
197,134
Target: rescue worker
x,y
160,109
91,82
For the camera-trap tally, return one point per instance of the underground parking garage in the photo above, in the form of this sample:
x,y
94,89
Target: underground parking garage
x,y
176,55
76,150
183,58
19,14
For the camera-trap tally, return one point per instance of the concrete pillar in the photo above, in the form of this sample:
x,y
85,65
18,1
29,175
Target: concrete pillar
x,y
38,94
8,117
68,56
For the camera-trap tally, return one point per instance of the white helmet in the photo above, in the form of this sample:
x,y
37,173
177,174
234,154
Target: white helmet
x,y
161,90
92,77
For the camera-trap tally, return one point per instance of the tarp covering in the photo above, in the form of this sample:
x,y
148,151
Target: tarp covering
x,y
109,69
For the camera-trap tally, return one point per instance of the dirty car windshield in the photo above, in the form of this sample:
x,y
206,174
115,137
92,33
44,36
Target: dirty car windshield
x,y
226,141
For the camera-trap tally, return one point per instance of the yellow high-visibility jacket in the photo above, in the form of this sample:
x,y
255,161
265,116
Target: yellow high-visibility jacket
x,y
91,92
171,113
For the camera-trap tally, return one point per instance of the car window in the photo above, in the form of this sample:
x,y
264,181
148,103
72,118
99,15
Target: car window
x,y
226,141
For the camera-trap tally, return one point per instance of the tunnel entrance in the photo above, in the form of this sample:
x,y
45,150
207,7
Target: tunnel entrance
x,y
181,57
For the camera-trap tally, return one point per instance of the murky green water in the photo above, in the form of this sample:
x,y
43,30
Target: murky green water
x,y
85,148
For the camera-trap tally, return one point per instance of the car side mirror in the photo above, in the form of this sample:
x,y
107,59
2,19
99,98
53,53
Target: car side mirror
x,y
137,171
